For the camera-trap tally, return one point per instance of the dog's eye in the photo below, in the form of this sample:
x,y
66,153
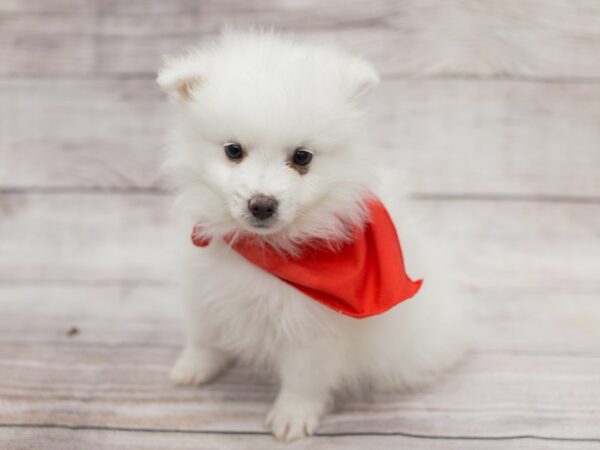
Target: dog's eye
x,y
302,157
233,151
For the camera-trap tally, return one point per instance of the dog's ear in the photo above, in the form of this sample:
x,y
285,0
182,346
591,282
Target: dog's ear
x,y
362,77
179,76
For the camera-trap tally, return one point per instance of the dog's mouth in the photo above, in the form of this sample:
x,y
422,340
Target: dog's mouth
x,y
262,227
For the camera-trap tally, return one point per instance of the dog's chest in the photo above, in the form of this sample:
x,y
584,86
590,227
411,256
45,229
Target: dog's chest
x,y
256,309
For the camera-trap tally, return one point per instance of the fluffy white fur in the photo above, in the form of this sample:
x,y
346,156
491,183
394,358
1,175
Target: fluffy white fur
x,y
271,95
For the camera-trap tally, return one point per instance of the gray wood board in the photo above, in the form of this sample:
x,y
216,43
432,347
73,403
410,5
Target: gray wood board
x,y
531,38
452,136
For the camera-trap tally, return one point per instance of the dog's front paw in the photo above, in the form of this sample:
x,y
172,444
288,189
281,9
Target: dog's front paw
x,y
294,417
197,366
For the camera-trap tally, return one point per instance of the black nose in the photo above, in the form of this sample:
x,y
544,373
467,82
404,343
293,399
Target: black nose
x,y
262,206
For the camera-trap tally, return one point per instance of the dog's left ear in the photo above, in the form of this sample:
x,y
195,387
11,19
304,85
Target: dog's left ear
x,y
179,76
361,76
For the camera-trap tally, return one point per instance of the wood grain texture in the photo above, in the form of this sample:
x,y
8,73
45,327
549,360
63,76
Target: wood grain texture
x,y
452,136
99,238
535,38
86,238
149,316
528,374
81,133
119,382
487,105
51,439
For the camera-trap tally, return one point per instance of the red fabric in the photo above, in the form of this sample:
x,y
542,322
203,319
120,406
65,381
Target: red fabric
x,y
362,278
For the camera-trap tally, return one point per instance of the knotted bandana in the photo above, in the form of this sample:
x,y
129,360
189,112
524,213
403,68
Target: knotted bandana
x,y
360,278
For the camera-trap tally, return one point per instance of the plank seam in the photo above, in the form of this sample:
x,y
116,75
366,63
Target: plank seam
x,y
494,77
497,197
73,282
129,345
76,190
151,75
332,434
426,196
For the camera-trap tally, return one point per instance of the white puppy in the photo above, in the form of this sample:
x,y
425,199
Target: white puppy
x,y
249,109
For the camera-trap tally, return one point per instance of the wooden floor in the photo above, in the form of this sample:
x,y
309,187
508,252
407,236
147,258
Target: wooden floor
x,y
493,107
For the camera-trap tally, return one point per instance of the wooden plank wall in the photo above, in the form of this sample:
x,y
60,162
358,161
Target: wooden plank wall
x,y
492,106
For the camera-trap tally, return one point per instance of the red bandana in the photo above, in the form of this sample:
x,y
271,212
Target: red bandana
x,y
362,278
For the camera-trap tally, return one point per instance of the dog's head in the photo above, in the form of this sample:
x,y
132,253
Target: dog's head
x,y
268,136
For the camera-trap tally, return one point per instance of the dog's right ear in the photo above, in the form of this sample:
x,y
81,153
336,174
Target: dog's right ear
x,y
361,76
179,76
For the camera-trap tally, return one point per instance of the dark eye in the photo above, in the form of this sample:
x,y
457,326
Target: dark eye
x,y
302,157
233,151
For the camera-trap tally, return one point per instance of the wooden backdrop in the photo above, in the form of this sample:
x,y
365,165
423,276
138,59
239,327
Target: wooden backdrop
x,y
493,106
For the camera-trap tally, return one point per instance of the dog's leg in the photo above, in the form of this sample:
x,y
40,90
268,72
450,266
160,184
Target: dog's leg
x,y
200,361
307,379
197,365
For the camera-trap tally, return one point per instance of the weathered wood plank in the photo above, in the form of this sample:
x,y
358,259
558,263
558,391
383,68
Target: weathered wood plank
x,y
484,137
96,238
557,38
530,374
99,262
50,237
122,387
60,439
453,136
150,316
47,37
81,133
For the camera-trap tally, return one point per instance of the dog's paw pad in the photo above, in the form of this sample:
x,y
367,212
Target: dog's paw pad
x,y
289,422
195,369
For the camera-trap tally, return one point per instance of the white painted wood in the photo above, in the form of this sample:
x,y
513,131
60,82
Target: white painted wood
x,y
490,395
452,136
78,133
459,110
535,371
84,238
492,137
552,38
517,320
43,313
94,238
127,440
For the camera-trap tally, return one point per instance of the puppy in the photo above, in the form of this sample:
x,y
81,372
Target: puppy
x,y
268,145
